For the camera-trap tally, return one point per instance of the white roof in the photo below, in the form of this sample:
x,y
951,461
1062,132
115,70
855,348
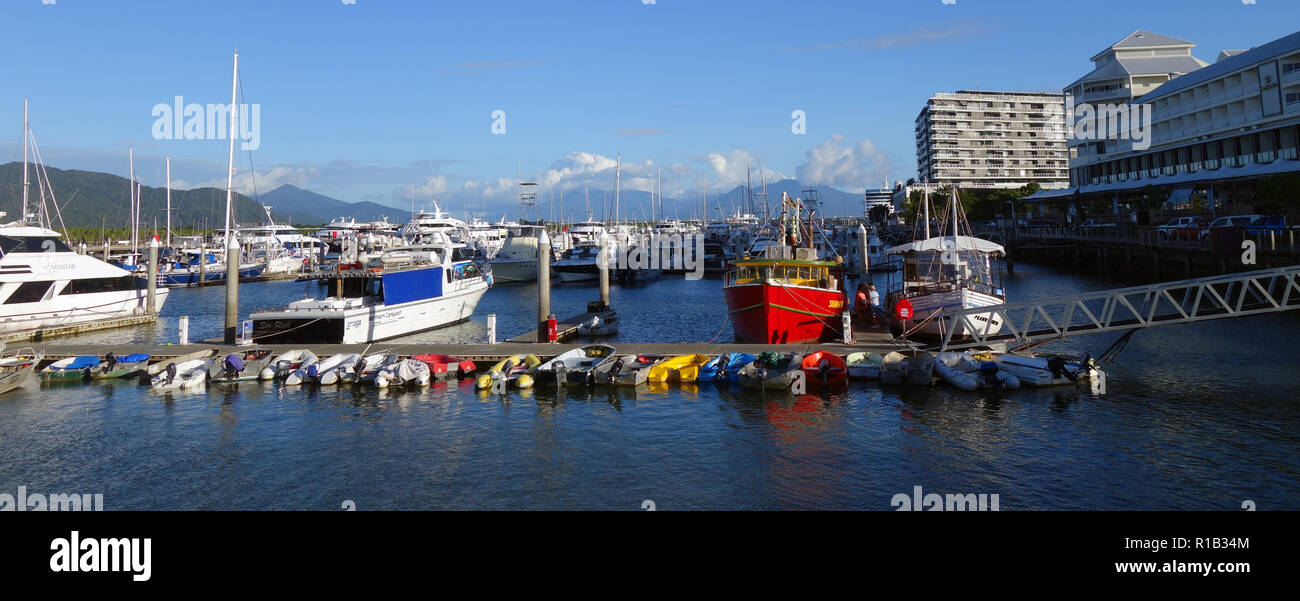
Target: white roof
x,y
942,243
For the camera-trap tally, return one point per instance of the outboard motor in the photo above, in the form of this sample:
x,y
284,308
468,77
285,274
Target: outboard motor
x,y
231,366
171,372
989,373
358,368
824,371
614,371
110,362
1056,365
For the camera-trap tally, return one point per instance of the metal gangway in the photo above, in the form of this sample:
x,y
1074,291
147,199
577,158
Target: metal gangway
x,y
1122,309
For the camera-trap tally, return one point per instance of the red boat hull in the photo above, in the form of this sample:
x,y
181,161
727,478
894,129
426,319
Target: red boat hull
x,y
763,313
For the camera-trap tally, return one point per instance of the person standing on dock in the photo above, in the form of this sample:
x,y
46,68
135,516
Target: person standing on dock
x,y
875,306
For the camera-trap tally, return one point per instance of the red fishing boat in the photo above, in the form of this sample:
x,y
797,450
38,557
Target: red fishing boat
x,y
787,296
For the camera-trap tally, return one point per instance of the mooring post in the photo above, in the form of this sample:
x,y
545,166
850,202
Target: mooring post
x,y
184,330
602,262
152,286
543,284
864,261
232,287
203,261
492,328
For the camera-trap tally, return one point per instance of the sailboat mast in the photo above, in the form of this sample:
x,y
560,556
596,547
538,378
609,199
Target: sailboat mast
x,y
618,185
169,202
954,214
130,154
927,214
26,126
230,171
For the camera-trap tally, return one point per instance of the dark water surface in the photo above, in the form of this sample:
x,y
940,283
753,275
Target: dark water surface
x,y
1194,417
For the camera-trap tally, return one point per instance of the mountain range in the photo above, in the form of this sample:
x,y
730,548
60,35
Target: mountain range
x,y
90,199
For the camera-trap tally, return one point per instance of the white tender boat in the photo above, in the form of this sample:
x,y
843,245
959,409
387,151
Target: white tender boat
x,y
912,367
969,372
401,373
575,367
772,371
16,367
315,372
864,366
187,375
362,370
286,363
598,326
625,370
1049,370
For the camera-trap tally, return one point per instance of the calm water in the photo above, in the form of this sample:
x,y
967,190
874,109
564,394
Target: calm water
x,y
1195,417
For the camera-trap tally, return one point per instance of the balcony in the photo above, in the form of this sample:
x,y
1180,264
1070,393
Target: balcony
x,y
1288,153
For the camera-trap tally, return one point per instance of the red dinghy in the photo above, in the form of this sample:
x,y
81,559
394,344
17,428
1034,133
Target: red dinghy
x,y
444,366
824,369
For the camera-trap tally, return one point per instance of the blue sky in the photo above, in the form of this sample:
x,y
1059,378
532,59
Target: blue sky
x,y
372,100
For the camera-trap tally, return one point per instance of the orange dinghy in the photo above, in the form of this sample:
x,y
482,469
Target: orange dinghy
x,y
825,369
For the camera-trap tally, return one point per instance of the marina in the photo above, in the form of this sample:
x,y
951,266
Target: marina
x,y
539,259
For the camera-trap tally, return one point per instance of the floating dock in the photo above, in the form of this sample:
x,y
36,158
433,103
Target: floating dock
x,y
70,330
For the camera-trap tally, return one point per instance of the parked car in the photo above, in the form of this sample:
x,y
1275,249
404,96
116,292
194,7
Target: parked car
x,y
1191,231
1227,221
1167,230
1266,224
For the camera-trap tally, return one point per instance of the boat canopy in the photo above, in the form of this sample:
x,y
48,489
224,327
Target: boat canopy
x,y
943,243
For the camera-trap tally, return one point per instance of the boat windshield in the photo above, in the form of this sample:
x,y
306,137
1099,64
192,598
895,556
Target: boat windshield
x,y
31,244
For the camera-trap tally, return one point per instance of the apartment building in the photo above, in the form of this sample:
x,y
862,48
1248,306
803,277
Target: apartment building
x,y
986,139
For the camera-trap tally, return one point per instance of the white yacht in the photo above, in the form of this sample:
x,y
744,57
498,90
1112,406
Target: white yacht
x,y
45,284
517,259
426,287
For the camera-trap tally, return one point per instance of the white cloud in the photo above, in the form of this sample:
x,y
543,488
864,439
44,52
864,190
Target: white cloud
x,y
847,167
265,181
729,169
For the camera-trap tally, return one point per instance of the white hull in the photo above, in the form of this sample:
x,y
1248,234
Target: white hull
x,y
925,305
77,309
514,270
371,322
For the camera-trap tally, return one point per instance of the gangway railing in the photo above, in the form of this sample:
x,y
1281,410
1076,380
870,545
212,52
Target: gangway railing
x,y
1122,309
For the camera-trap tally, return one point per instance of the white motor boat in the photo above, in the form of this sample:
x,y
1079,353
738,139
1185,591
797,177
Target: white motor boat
x,y
186,375
377,303
574,367
286,363
363,370
315,372
970,372
1049,370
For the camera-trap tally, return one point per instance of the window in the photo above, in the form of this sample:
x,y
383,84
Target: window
x,y
29,292
92,285
1289,67
1293,98
11,244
